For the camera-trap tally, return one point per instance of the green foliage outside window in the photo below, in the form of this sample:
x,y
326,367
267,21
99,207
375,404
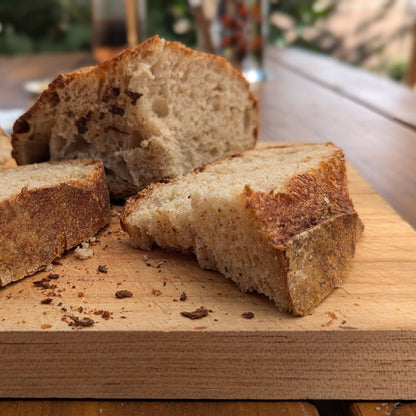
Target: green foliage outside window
x,y
297,16
44,25
63,25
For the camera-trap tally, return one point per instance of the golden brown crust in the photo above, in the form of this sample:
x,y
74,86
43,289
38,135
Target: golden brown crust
x,y
314,226
38,225
319,259
310,199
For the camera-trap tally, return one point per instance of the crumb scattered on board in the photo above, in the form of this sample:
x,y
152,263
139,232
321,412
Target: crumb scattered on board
x,y
79,317
121,294
83,251
103,268
80,322
196,314
332,316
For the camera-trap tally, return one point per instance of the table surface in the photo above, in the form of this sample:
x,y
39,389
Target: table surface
x,y
306,98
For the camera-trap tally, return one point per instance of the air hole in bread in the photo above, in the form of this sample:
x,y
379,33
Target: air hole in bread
x,y
214,151
55,100
21,126
134,140
58,143
248,120
160,107
78,146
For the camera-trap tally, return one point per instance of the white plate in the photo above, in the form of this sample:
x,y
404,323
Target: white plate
x,y
36,86
8,116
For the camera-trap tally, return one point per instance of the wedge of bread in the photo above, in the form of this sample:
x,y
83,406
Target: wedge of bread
x,y
278,221
155,111
47,208
5,147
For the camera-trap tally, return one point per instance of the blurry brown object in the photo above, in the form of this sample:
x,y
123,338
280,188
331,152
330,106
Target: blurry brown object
x,y
131,23
411,71
117,24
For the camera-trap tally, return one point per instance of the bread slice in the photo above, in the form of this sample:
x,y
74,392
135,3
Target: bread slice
x,y
5,147
278,221
47,208
155,111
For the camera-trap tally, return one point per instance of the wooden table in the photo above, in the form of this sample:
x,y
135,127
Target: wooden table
x,y
306,98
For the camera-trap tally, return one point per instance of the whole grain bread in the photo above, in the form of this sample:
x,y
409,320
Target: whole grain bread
x,y
154,111
47,208
5,147
278,221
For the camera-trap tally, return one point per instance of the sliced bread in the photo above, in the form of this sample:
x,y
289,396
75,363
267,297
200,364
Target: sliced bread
x,y
154,111
5,147
278,221
47,208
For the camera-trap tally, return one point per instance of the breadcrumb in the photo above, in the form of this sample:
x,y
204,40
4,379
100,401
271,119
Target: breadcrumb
x,y
83,251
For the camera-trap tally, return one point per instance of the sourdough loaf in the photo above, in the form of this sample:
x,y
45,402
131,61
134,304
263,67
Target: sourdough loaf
x,y
154,111
5,147
47,208
278,221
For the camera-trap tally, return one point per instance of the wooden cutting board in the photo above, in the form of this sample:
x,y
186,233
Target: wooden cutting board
x,y
359,343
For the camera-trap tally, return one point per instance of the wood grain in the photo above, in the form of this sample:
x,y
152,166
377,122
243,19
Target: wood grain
x,y
357,344
160,408
373,409
16,70
407,409
391,99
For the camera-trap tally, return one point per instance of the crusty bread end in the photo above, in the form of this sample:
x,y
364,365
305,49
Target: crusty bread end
x,y
48,208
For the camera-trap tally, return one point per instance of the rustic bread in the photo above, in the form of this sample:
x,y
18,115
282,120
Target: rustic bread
x,y
47,208
155,111
278,221
5,147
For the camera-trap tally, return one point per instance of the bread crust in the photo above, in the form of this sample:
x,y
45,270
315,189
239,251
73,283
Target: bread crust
x,y
314,227
309,199
38,225
323,254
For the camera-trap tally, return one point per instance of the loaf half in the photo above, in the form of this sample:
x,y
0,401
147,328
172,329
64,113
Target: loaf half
x,y
47,208
5,147
278,221
155,111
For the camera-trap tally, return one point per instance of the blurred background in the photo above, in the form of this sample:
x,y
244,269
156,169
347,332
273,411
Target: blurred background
x,y
374,34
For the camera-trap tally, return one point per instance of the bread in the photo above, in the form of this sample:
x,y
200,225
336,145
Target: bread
x,y
45,209
155,111
5,147
278,221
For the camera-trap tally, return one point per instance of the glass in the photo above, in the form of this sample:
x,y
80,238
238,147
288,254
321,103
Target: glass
x,y
236,30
